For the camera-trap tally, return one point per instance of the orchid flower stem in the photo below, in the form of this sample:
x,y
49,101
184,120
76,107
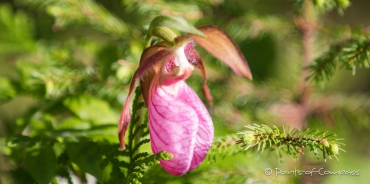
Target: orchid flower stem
x,y
148,39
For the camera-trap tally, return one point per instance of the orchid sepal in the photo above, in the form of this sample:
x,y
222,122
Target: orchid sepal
x,y
220,45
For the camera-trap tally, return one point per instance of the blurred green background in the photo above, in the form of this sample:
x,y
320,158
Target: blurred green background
x,y
65,67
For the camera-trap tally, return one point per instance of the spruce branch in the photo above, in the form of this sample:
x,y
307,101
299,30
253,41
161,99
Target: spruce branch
x,y
135,127
351,54
69,12
293,142
126,167
224,146
137,169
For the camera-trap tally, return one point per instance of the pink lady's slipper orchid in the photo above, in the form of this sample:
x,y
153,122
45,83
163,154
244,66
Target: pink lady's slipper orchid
x,y
179,123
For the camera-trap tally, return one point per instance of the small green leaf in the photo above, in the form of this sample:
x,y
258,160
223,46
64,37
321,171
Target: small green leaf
x,y
87,156
41,164
74,123
102,133
175,22
91,109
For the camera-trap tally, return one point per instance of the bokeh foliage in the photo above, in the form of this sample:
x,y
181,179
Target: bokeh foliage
x,y
65,66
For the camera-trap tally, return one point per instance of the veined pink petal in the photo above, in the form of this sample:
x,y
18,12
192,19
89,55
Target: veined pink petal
x,y
149,59
181,125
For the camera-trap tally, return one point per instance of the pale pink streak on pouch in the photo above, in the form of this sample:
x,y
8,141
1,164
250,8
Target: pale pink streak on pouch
x,y
181,125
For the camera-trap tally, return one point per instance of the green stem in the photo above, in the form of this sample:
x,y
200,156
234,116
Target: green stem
x,y
148,39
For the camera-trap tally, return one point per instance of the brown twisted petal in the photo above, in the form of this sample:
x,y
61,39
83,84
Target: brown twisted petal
x,y
149,67
220,45
194,59
150,59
